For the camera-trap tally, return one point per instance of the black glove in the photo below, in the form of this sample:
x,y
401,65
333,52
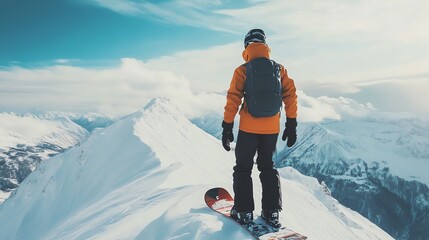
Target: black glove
x,y
290,132
227,135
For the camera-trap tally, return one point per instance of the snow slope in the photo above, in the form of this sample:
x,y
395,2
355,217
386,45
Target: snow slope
x,y
144,178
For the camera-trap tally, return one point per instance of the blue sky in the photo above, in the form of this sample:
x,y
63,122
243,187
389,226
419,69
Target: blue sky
x,y
113,56
39,32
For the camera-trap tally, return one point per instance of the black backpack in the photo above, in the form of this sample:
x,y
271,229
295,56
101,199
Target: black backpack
x,y
262,87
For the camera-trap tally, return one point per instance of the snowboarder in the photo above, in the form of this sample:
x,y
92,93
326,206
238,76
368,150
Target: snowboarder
x,y
264,85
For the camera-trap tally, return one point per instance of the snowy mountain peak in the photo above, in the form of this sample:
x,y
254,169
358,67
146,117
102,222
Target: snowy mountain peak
x,y
322,144
158,101
161,105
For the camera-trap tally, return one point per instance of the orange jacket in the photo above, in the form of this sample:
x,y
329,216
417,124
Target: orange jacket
x,y
248,123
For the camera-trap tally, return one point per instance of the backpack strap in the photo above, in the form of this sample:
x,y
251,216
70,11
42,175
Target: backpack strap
x,y
277,72
276,68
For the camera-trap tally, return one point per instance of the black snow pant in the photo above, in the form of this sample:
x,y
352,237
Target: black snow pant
x,y
247,146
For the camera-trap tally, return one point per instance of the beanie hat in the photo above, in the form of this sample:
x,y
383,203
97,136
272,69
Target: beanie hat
x,y
254,35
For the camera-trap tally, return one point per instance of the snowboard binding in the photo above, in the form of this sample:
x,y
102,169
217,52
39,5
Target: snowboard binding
x,y
271,217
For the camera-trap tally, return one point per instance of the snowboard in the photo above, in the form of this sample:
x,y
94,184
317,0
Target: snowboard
x,y
219,200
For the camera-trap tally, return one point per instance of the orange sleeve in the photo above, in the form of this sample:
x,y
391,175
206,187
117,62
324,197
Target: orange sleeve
x,y
290,99
234,95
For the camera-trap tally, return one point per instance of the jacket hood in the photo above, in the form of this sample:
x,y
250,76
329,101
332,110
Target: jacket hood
x,y
256,50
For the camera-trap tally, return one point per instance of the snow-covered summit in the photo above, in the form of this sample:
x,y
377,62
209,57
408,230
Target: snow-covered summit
x,y
144,177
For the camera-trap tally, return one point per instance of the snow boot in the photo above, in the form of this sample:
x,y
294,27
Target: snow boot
x,y
271,217
244,218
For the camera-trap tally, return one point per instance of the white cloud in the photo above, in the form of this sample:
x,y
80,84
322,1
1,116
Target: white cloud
x,y
397,94
62,61
196,13
209,70
125,7
313,109
337,20
118,90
